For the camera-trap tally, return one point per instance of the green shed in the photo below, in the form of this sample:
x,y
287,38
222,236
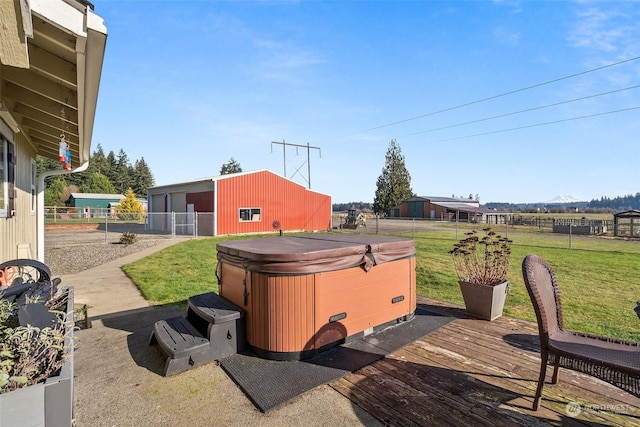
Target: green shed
x,y
93,200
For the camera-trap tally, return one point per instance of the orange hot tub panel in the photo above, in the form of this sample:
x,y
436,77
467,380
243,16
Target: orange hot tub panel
x,y
305,293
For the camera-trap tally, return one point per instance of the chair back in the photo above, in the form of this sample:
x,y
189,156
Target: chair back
x,y
542,286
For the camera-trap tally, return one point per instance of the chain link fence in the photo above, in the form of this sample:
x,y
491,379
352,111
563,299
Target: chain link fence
x,y
109,221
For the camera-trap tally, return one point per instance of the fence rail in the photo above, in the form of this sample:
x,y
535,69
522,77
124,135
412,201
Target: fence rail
x,y
198,224
530,223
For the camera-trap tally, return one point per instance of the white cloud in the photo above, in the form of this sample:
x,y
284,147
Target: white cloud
x,y
609,30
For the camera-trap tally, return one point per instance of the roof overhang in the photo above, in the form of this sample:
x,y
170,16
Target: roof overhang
x,y
51,58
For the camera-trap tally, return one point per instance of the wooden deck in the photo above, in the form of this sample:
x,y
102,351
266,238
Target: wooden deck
x,y
474,372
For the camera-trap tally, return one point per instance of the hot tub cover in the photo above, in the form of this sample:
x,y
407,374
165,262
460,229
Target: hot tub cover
x,y
311,253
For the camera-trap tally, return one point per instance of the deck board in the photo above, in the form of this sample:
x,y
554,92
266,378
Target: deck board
x,y
474,372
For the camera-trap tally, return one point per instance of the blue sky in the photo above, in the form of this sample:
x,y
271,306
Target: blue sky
x,y
189,84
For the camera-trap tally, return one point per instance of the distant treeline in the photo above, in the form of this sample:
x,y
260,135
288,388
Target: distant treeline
x,y
623,203
359,206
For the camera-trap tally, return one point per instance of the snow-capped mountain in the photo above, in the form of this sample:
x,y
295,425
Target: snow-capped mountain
x,y
565,198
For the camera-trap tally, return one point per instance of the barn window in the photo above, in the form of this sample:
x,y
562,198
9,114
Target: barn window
x,y
250,214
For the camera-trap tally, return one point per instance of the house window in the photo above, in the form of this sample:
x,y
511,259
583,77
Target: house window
x,y
7,178
250,214
3,177
34,180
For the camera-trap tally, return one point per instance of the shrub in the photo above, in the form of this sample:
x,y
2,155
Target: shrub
x,y
129,208
128,238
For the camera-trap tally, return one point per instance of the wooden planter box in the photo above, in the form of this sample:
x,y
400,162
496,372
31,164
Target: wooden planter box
x,y
306,293
48,404
483,301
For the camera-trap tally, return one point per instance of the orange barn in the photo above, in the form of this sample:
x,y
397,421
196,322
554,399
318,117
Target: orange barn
x,y
240,203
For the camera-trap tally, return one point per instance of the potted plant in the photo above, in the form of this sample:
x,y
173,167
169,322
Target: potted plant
x,y
36,355
481,264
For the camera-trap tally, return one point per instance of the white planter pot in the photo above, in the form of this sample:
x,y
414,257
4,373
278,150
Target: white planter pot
x,y
482,301
48,404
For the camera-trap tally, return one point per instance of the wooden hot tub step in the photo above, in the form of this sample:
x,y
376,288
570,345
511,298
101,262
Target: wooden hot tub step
x,y
213,308
183,345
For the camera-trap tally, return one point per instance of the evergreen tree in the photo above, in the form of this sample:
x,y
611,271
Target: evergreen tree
x,y
106,174
111,168
97,183
232,166
123,173
142,178
98,162
130,208
46,164
394,184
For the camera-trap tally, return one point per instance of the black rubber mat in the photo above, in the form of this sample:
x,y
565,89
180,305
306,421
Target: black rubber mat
x,y
270,383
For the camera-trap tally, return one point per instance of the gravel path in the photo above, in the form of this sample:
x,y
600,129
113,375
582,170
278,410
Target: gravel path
x,y
69,252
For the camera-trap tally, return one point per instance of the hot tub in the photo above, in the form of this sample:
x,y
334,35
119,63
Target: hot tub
x,y
305,293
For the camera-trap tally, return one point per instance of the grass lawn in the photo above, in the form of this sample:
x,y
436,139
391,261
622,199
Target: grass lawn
x,y
599,278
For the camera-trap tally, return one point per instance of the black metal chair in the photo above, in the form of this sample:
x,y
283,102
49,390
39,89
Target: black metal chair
x,y
27,279
614,361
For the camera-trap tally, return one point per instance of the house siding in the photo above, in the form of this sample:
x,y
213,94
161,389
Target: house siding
x,y
18,233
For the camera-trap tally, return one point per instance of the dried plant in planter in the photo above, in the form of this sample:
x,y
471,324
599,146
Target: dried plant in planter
x,y
29,354
482,260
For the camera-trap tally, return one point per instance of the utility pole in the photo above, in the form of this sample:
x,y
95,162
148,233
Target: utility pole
x,y
284,158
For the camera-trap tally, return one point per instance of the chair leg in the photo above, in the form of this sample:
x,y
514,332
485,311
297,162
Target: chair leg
x,y
543,373
556,368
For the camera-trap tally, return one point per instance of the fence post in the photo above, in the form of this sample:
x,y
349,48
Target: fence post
x,y
173,224
570,227
195,224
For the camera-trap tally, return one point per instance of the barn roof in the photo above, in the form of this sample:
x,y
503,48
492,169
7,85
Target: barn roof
x,y
229,176
627,214
97,196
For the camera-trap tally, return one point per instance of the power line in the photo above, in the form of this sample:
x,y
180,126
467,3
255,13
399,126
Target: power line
x,y
541,124
500,95
523,111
